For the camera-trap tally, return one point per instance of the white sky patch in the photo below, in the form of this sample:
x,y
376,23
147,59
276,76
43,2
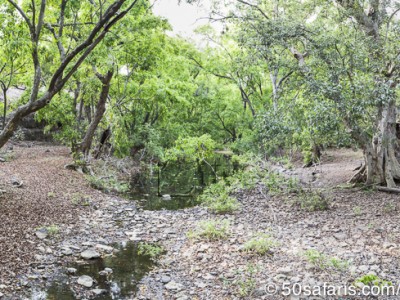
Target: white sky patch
x,y
184,18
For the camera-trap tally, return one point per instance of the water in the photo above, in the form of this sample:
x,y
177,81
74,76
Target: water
x,y
184,182
128,269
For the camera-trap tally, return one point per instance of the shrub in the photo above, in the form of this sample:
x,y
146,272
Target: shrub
x,y
151,250
323,262
373,280
211,230
260,244
312,201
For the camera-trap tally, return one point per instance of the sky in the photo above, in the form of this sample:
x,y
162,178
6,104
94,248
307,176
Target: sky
x,y
183,17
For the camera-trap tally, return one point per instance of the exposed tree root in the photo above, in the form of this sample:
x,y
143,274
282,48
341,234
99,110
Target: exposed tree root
x,y
388,190
360,176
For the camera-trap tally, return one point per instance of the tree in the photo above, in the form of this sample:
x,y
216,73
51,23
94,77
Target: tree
x,y
342,53
69,14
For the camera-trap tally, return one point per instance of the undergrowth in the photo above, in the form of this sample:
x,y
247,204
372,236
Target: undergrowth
x,y
260,244
323,262
152,250
210,230
219,197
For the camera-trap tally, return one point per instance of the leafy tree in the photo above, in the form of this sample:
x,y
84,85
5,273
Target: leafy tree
x,y
340,53
35,16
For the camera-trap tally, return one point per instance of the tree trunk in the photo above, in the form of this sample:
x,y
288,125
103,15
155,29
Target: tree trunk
x,y
381,163
100,110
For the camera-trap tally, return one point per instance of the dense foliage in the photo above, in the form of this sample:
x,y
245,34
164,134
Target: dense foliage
x,y
282,76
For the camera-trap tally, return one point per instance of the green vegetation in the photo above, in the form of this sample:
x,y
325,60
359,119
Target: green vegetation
x,y
211,230
79,199
373,280
217,198
108,184
280,81
260,244
152,250
220,197
246,281
51,194
52,230
320,261
311,200
389,207
357,210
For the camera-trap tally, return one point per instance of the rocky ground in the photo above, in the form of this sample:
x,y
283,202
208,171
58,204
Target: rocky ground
x,y
359,232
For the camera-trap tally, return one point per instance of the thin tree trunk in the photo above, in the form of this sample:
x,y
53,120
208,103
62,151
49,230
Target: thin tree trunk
x,y
5,107
100,110
68,66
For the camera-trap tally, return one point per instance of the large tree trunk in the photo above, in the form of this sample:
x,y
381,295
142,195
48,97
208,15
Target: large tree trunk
x,y
100,110
381,163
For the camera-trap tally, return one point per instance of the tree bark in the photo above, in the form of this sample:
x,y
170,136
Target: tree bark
x,y
381,163
100,110
382,166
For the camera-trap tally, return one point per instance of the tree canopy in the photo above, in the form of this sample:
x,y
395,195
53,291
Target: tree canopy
x,y
281,76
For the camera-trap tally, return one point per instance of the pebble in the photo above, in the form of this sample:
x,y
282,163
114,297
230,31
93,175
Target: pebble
x,y
41,233
363,268
71,271
165,279
99,291
174,286
86,281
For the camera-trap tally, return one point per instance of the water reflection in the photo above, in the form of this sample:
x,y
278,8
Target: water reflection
x,y
184,182
128,269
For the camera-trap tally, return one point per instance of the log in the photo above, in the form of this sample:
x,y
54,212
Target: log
x,y
388,190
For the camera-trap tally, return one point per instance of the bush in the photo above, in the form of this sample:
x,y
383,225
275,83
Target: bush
x,y
216,198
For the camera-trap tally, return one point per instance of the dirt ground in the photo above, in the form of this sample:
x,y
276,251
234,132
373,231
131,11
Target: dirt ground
x,y
43,199
359,232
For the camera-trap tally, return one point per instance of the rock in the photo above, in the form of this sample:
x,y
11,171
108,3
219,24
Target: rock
x,y
41,233
106,272
90,254
200,284
99,292
2,159
165,279
174,286
284,270
86,281
71,271
104,248
66,252
259,292
340,236
166,197
363,268
16,182
1,295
